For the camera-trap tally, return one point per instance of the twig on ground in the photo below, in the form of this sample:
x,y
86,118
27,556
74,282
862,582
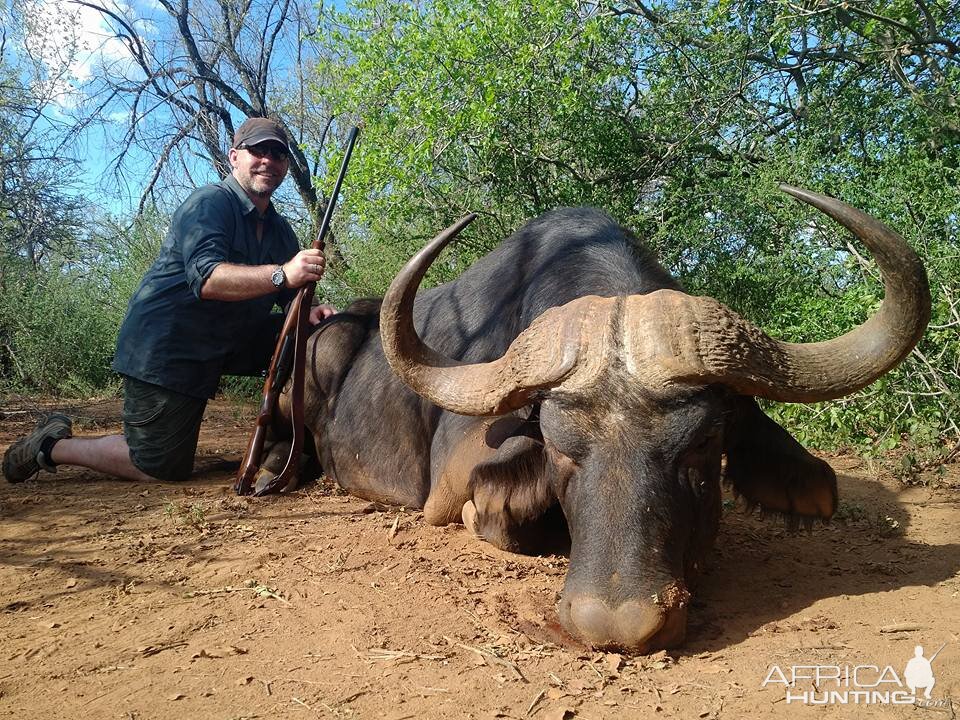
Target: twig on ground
x,y
259,590
156,649
490,657
374,654
537,699
900,627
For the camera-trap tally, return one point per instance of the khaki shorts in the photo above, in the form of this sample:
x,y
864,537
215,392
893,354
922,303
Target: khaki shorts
x,y
162,428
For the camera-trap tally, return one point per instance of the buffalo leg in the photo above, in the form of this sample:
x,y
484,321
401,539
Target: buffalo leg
x,y
512,504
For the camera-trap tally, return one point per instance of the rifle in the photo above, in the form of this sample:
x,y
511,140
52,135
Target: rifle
x,y
934,656
292,341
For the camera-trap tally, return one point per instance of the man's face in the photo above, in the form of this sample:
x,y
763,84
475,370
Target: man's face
x,y
260,168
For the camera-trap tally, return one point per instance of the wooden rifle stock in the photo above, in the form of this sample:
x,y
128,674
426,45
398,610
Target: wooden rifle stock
x,y
271,391
292,341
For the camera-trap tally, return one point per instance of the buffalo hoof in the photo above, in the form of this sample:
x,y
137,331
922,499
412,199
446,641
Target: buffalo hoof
x,y
469,516
266,482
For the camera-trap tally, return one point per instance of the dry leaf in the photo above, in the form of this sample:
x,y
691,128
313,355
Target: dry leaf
x,y
612,663
577,686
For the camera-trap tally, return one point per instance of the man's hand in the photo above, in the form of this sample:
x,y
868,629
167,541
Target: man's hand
x,y
232,282
321,312
306,266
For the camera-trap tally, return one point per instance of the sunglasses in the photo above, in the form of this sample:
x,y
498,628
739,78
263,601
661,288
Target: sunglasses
x,y
261,151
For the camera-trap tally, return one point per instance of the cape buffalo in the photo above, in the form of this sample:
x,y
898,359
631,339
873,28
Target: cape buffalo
x,y
565,380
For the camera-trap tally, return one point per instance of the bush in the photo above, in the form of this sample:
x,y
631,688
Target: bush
x,y
59,319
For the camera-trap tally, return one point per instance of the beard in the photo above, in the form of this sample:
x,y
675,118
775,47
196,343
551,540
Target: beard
x,y
258,183
262,186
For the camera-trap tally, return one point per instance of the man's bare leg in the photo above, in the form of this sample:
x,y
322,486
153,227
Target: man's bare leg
x,y
108,454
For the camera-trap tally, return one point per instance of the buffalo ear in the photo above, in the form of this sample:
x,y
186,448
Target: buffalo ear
x,y
768,467
516,508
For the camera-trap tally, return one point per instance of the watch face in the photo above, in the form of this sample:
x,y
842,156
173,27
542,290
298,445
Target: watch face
x,y
278,277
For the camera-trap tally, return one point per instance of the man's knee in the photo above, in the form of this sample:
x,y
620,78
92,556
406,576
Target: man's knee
x,y
161,428
161,465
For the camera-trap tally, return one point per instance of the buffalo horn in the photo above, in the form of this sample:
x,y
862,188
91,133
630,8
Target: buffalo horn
x,y
670,337
740,355
530,364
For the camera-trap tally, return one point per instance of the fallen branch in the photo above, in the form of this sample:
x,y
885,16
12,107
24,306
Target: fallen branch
x,y
489,657
259,590
375,654
156,649
537,699
900,627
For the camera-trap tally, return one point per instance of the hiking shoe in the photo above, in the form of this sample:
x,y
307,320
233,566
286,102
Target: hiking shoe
x,y
23,459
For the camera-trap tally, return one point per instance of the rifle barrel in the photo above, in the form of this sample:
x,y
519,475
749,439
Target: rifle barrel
x,y
328,212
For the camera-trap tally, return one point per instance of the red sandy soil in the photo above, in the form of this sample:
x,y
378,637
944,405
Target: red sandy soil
x,y
125,600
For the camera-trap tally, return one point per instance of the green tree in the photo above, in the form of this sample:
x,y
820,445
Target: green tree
x,y
37,213
65,272
680,118
504,108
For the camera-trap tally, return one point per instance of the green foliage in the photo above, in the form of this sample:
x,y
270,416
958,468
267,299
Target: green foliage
x,y
49,338
37,211
51,335
492,107
59,319
193,516
680,118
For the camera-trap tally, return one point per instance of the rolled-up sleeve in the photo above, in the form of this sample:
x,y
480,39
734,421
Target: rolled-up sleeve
x,y
204,227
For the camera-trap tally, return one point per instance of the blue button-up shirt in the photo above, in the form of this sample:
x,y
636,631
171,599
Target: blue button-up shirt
x,y
172,338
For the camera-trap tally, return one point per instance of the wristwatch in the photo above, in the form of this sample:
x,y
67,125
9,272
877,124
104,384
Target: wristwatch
x,y
279,277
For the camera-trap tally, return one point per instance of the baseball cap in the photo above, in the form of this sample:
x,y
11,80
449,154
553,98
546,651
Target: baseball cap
x,y
258,130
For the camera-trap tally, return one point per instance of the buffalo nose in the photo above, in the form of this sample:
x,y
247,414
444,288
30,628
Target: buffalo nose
x,y
635,625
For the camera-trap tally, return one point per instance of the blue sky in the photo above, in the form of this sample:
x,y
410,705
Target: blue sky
x,y
73,44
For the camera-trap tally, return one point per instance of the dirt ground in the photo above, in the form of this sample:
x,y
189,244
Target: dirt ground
x,y
125,600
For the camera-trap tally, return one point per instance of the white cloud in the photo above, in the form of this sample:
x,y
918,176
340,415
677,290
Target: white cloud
x,y
72,43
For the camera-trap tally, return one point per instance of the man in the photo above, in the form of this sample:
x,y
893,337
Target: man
x,y
202,310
